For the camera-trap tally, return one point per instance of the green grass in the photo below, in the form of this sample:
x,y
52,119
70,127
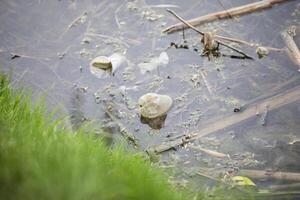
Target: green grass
x,y
41,160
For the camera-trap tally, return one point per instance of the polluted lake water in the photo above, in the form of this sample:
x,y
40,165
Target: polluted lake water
x,y
222,114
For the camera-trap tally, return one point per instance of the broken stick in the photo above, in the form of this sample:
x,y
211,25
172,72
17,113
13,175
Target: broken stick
x,y
241,10
202,33
257,174
292,48
277,101
260,174
209,152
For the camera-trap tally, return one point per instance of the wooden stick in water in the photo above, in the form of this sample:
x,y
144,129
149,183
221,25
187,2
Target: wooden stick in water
x,y
209,152
292,48
260,174
202,33
241,10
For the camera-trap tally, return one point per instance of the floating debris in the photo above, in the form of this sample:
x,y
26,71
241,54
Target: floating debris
x,y
14,56
292,31
237,109
76,22
262,52
101,64
154,63
79,20
230,101
132,6
209,152
85,53
154,105
211,47
151,15
86,40
116,60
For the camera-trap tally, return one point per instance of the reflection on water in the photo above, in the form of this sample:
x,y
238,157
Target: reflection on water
x,y
55,41
155,123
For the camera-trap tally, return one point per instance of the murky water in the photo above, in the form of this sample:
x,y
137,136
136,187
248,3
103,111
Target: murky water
x,y
56,41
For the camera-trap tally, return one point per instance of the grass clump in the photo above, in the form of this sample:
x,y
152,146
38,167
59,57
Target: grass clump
x,y
41,160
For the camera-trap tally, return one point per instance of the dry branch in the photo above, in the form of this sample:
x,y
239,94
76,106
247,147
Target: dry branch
x,y
241,10
238,41
243,42
202,33
260,174
257,175
223,38
290,96
209,152
292,48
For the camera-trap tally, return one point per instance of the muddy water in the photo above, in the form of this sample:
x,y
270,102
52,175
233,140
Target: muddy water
x,y
56,41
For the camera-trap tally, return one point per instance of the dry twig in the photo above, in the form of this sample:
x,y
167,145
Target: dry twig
x,y
209,152
202,33
241,10
292,48
260,174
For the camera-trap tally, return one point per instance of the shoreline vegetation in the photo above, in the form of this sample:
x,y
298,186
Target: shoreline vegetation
x,y
41,160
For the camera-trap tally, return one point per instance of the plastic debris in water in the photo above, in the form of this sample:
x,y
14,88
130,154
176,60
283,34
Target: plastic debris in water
x,y
101,62
154,63
154,105
116,60
100,65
